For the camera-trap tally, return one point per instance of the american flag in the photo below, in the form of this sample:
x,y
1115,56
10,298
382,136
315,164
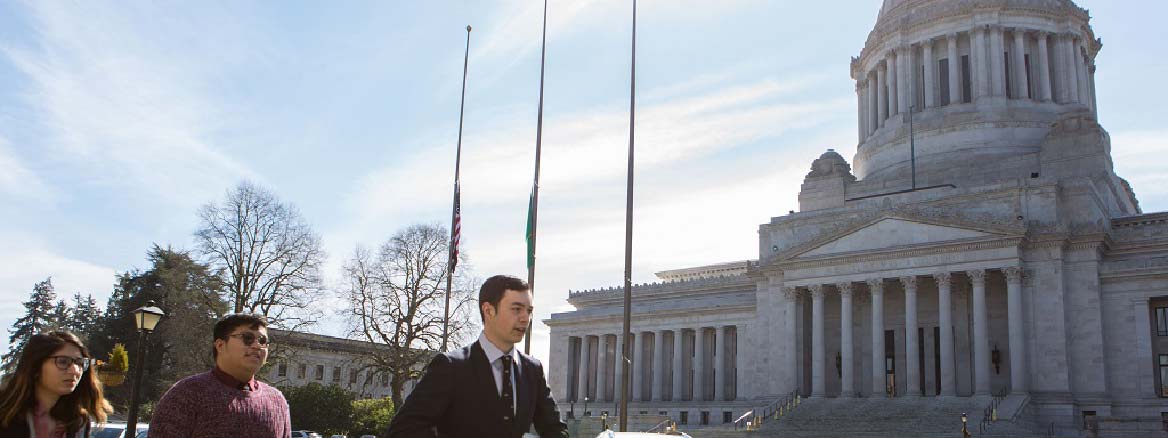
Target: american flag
x,y
457,229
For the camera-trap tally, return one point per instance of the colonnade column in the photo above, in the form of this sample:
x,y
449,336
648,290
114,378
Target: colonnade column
x,y
1017,336
862,131
981,357
881,94
720,363
876,289
1043,65
980,64
817,347
602,368
1081,71
792,340
902,79
873,113
699,379
1072,72
911,354
945,322
954,70
585,370
659,364
638,369
846,346
1021,83
893,80
996,64
927,54
910,77
678,365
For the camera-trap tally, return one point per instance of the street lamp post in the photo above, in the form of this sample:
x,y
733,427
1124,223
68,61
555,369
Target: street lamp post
x,y
964,429
145,318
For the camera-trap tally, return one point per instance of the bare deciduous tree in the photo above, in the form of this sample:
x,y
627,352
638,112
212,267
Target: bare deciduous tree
x,y
269,255
397,296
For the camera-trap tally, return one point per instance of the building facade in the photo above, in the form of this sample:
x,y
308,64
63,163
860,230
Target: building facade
x,y
978,243
303,358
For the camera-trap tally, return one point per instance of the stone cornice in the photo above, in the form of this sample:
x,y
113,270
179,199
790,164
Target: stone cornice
x,y
671,288
570,318
1153,219
887,254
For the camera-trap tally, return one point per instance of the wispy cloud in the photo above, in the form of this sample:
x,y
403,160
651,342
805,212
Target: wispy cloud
x,y
17,181
119,107
27,261
1130,151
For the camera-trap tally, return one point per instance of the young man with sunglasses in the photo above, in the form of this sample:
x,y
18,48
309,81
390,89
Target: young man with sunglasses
x,y
228,400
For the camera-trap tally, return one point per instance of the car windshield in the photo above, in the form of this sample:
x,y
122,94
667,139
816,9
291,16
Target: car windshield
x,y
108,432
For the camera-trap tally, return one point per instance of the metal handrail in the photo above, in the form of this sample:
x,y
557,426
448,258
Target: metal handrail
x,y
653,429
755,417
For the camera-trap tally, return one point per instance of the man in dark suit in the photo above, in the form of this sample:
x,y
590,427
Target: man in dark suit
x,y
488,389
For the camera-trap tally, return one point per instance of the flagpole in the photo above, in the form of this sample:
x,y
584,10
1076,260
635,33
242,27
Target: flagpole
x,y
534,207
452,253
624,400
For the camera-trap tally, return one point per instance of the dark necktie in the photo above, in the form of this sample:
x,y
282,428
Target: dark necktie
x,y
509,407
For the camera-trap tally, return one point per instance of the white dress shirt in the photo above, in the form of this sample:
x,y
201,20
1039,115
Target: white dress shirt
x,y
494,357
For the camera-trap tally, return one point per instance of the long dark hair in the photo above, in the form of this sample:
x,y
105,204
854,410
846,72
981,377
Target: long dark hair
x,y
75,409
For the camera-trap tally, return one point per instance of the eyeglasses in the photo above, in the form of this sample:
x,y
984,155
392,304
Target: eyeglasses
x,y
249,338
64,362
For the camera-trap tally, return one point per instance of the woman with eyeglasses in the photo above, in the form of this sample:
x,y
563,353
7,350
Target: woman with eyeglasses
x,y
54,392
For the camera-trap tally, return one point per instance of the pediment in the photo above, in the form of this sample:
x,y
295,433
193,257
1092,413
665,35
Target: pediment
x,y
892,232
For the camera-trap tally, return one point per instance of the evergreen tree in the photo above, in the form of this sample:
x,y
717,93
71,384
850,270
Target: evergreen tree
x,y
86,316
61,318
38,316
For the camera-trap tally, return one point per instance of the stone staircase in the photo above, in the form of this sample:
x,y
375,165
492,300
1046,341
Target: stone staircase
x,y
900,417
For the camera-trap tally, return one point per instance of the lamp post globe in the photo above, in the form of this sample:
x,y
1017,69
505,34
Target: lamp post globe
x,y
146,318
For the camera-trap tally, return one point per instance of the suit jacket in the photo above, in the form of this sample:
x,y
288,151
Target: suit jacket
x,y
456,398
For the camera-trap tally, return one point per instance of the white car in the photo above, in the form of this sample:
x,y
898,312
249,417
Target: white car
x,y
611,434
305,434
115,430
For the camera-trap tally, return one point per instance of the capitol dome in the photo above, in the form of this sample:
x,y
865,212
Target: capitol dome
x,y
953,65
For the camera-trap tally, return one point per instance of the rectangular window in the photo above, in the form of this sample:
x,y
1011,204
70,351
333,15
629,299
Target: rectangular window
x,y
319,375
282,370
353,377
966,80
301,371
943,75
1089,421
1164,419
1162,321
727,417
705,418
1162,367
683,417
385,379
336,374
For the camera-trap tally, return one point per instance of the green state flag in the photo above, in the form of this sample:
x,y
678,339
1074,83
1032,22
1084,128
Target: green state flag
x,y
531,231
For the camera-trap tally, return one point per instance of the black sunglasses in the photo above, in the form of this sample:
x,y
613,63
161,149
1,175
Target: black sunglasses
x,y
64,362
249,338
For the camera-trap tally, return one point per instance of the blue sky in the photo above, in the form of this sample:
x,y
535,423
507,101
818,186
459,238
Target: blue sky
x,y
117,120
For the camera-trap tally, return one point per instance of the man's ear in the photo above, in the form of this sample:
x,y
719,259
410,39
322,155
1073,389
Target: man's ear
x,y
487,309
219,344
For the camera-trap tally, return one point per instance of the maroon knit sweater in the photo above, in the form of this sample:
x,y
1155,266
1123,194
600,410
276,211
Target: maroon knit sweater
x,y
201,406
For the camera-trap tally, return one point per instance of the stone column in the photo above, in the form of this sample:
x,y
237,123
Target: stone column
x,y
930,76
678,365
910,78
893,81
602,368
873,113
903,85
954,70
1044,93
945,321
876,289
1071,68
659,365
1020,79
720,363
881,94
860,131
1059,81
585,370
817,348
980,63
981,348
1081,71
847,383
912,362
1091,86
638,368
997,65
1017,335
792,340
699,381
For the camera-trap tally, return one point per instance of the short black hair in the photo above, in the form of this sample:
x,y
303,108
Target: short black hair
x,y
227,324
493,289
